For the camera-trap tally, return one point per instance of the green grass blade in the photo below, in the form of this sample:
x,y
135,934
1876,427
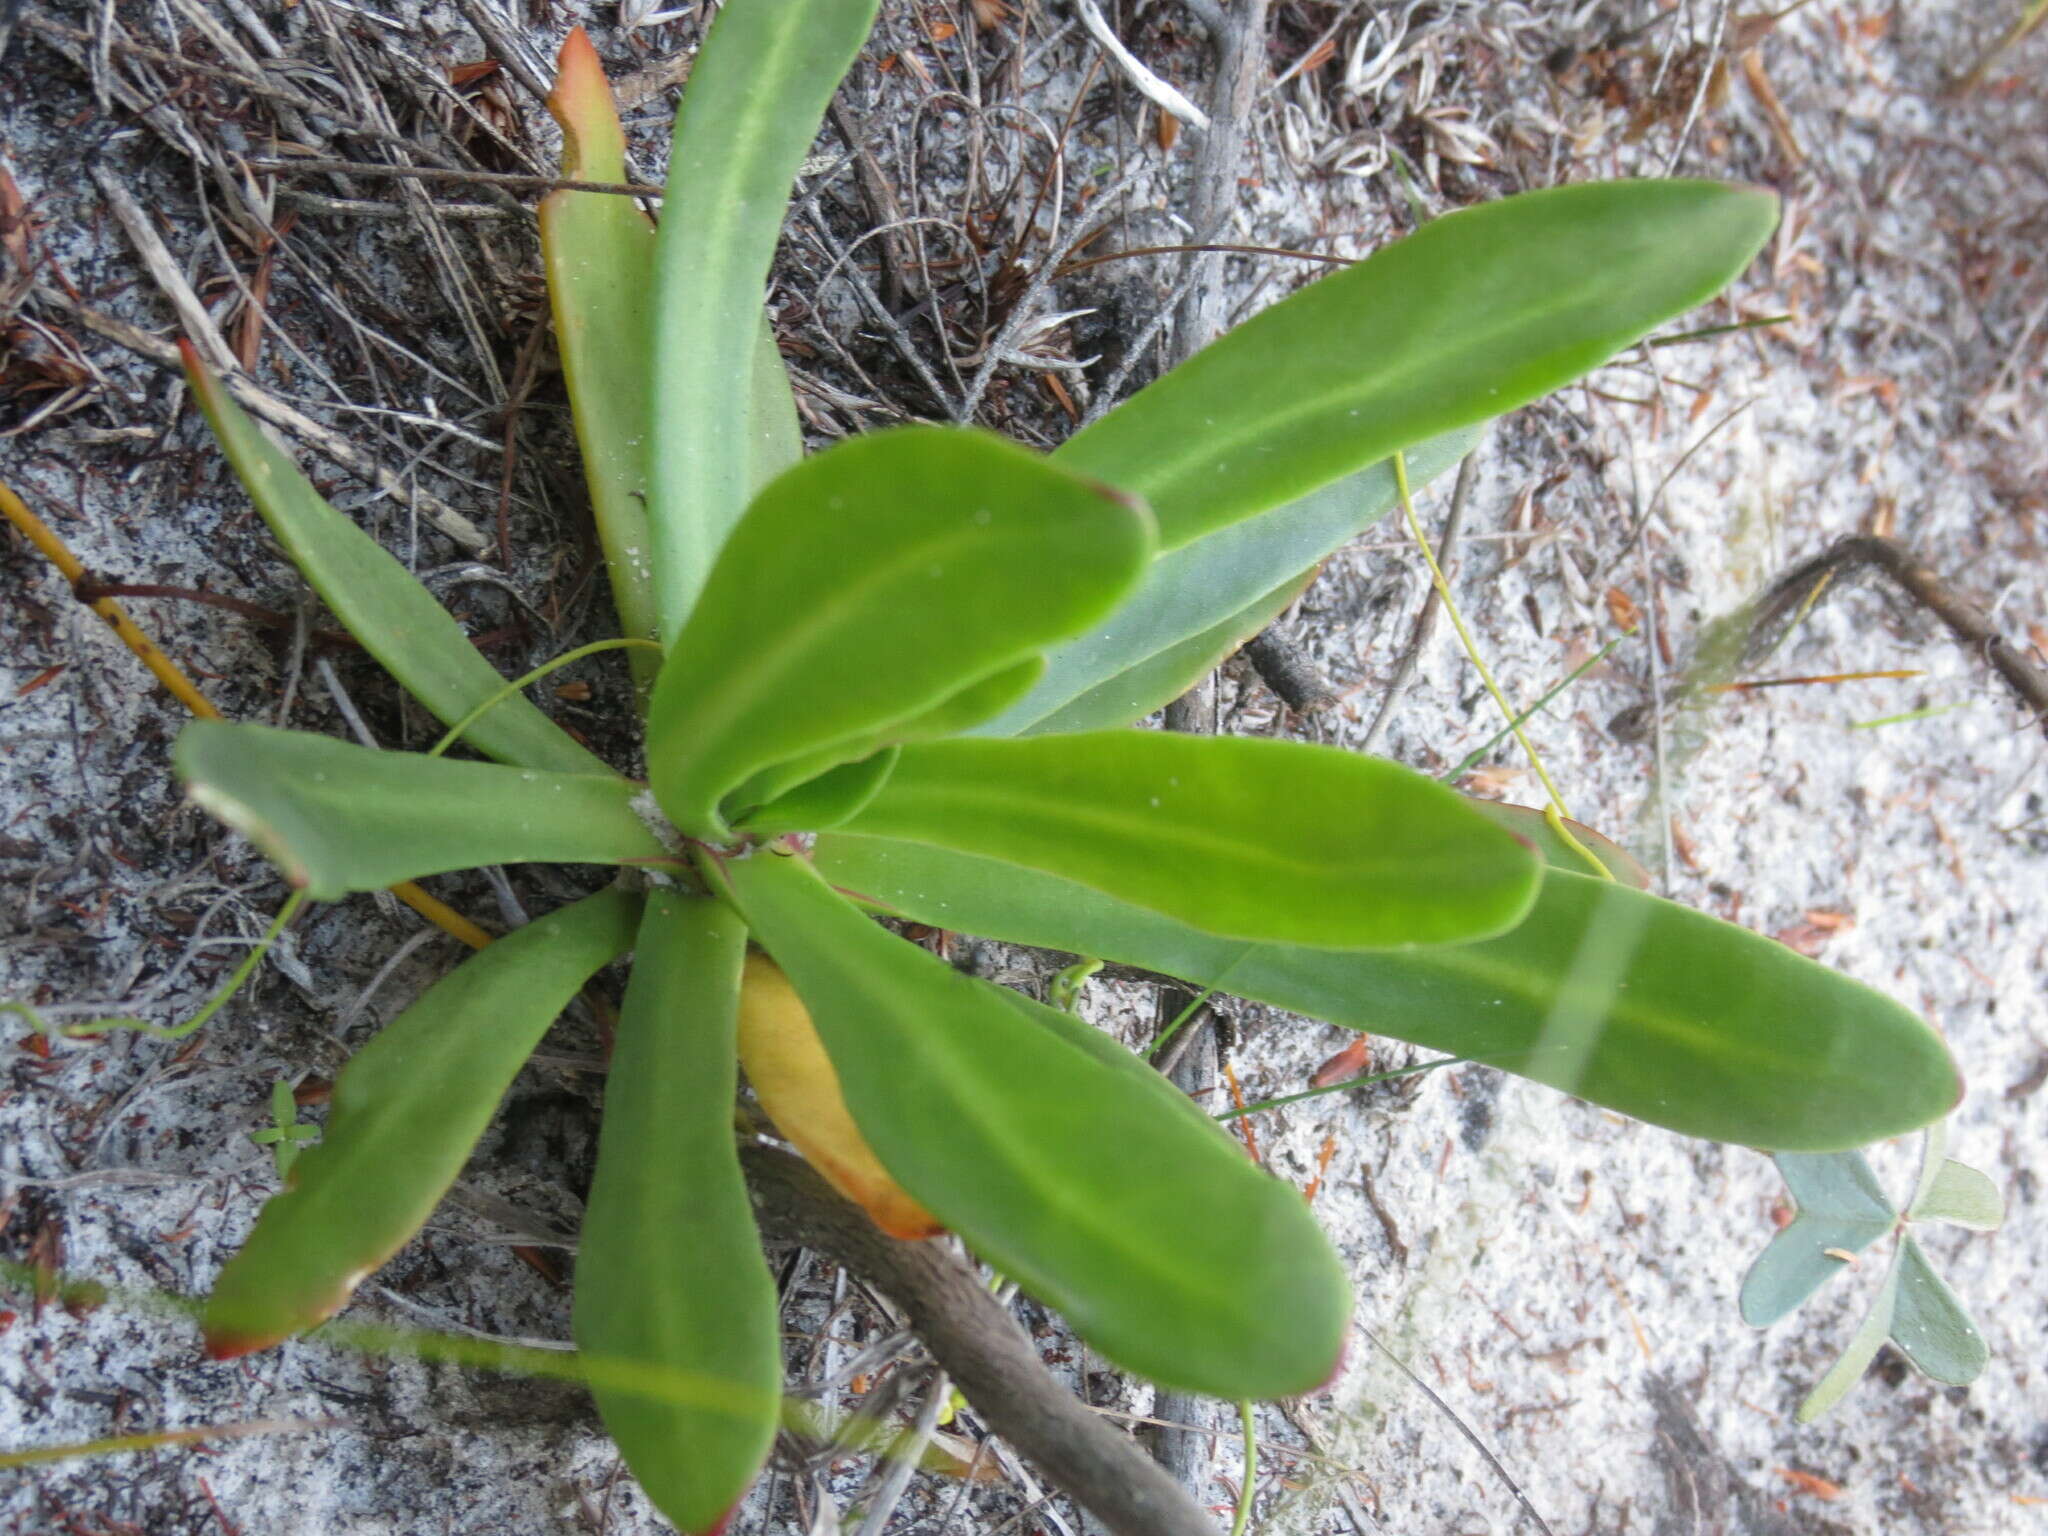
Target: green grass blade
x,y
1474,314
1195,589
378,601
1617,996
407,1110
866,587
1243,838
336,817
669,1273
757,93
1165,1247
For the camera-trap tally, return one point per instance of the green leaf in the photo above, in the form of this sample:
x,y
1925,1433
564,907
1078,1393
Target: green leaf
x,y
1612,994
1251,839
1192,591
1159,679
866,587
1870,1335
756,95
1163,1245
827,800
378,601
406,1112
1838,1185
1138,1075
336,817
777,440
1962,1196
669,1273
1841,1207
971,705
599,253
1527,822
1473,315
1930,1326
1933,1148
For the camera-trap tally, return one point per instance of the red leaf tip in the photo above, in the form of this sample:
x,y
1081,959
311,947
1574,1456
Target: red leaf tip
x,y
224,1345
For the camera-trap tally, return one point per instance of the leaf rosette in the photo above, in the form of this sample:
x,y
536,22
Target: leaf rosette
x,y
896,678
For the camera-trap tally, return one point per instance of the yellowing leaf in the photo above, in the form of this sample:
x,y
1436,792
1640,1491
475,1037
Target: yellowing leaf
x,y
797,1086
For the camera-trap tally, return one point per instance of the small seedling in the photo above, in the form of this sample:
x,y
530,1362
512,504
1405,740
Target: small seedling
x,y
1842,1211
284,1135
1068,984
897,678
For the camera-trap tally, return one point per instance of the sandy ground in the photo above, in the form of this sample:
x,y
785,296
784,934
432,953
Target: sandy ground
x,y
1562,1280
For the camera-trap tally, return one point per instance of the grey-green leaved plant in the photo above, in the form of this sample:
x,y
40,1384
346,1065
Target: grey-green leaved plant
x,y
1842,1210
898,677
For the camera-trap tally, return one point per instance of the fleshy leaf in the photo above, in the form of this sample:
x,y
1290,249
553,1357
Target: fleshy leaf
x,y
793,1078
1962,1196
1164,1246
406,1112
971,705
1251,839
1841,1208
378,601
1930,1326
1620,997
831,798
599,252
1474,314
1159,679
1862,1348
1193,590
756,95
336,817
866,587
669,1275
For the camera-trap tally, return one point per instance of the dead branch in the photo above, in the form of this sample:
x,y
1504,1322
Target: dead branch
x,y
982,1348
1791,594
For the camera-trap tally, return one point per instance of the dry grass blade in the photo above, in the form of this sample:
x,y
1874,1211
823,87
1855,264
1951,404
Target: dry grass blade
x,y
258,402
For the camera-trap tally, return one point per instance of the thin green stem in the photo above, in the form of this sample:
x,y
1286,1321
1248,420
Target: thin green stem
x,y
1472,758
1349,1082
1565,835
175,1031
150,1440
1159,1040
1443,591
1249,1486
517,684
